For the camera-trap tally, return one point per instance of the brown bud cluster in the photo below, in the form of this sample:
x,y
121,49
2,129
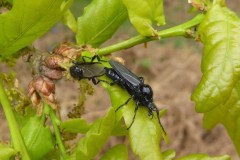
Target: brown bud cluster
x,y
47,69
50,67
54,74
67,50
53,61
43,85
199,5
42,88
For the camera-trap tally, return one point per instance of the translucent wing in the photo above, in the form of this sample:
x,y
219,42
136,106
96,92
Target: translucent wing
x,y
123,72
94,69
86,70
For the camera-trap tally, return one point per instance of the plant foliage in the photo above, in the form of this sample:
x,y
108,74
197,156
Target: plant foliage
x,y
94,30
27,21
217,95
144,14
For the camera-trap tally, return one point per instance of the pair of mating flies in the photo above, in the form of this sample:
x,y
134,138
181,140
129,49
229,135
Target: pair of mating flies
x,y
141,93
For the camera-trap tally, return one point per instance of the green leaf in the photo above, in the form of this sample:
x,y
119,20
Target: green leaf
x,y
70,21
75,125
143,13
119,129
99,22
169,154
10,1
219,32
27,21
38,138
118,152
6,152
147,144
22,119
96,137
217,94
79,125
228,115
203,157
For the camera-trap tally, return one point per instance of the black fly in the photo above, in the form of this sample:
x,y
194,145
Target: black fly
x,y
140,92
87,70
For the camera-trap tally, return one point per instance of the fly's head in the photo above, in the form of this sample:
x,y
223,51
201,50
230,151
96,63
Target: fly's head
x,y
147,93
76,71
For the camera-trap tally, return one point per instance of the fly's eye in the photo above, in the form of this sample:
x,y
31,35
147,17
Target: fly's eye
x,y
76,71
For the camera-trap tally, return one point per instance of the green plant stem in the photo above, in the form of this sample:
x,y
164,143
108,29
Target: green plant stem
x,y
55,123
16,137
180,30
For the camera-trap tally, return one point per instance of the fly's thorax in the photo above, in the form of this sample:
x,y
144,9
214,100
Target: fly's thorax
x,y
76,71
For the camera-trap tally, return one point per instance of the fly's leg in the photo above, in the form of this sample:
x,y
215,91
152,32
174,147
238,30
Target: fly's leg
x,y
86,57
135,113
93,58
158,117
98,58
123,104
96,81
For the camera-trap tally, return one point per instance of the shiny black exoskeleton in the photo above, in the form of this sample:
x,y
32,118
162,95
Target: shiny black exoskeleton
x,y
140,92
87,70
119,74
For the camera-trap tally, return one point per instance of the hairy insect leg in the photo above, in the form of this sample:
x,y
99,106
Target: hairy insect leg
x,y
135,113
158,117
123,104
93,58
86,57
98,58
96,81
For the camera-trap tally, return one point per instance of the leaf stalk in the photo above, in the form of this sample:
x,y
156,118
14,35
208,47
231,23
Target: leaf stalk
x,y
16,136
180,30
55,123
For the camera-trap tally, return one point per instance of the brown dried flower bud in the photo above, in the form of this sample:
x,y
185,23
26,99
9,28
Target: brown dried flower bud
x,y
62,48
43,85
53,61
35,99
53,74
42,88
66,50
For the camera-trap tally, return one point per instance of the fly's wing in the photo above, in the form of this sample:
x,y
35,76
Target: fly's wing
x,y
123,72
94,69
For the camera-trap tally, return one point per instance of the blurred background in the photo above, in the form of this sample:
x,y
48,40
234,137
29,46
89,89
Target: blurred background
x,y
170,66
